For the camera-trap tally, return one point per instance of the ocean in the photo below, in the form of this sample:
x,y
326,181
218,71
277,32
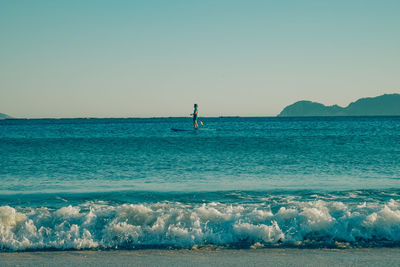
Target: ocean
x,y
331,182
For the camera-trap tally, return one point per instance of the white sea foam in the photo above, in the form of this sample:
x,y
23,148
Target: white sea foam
x,y
100,225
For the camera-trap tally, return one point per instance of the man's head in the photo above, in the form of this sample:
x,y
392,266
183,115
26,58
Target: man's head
x,y
195,105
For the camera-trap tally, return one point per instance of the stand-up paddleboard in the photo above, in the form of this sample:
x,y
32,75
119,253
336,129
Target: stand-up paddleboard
x,y
182,130
191,130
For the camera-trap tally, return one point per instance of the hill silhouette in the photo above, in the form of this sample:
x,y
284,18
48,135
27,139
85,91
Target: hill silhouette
x,y
4,116
384,105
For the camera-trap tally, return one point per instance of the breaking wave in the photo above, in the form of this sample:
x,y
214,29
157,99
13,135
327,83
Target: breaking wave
x,y
100,225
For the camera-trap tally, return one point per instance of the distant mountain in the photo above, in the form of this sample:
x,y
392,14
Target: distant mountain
x,y
4,116
384,105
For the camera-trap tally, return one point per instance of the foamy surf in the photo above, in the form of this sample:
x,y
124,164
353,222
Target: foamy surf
x,y
98,225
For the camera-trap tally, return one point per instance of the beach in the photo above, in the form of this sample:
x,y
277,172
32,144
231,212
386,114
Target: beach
x,y
223,257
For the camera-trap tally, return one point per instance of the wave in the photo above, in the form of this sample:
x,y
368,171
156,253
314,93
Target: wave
x,y
100,225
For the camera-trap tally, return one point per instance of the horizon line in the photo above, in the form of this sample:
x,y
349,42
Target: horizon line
x,y
209,117
150,117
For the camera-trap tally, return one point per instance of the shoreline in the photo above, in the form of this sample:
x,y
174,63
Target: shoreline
x,y
207,257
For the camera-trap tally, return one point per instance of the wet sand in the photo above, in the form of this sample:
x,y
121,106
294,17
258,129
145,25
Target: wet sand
x,y
223,257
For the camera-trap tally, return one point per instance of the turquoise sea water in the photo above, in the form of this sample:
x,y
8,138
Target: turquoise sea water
x,y
237,182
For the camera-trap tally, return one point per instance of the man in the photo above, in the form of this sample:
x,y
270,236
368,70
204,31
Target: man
x,y
195,113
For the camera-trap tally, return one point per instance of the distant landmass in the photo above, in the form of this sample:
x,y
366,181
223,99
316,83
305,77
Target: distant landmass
x,y
384,105
4,116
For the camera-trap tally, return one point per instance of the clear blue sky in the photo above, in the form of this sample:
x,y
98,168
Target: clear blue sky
x,y
81,58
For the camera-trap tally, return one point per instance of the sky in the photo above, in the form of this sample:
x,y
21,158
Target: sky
x,y
116,58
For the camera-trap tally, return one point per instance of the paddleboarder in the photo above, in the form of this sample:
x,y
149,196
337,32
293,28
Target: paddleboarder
x,y
195,113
